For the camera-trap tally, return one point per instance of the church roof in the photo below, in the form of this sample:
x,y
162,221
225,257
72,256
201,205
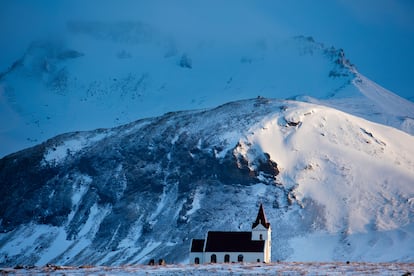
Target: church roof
x,y
261,219
197,245
232,242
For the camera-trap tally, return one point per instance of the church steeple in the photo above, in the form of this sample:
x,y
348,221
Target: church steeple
x,y
261,219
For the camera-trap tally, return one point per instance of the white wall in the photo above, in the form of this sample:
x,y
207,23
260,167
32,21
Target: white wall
x,y
260,230
248,257
267,236
194,255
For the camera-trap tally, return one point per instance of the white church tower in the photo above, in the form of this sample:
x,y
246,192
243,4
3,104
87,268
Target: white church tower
x,y
261,230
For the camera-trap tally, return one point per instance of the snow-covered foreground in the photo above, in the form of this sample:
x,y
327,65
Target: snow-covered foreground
x,y
280,268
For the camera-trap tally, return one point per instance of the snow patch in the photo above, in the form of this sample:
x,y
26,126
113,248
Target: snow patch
x,y
151,246
196,203
80,187
69,248
56,154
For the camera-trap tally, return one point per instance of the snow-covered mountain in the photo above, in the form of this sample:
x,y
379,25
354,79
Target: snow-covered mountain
x,y
107,73
332,160
334,187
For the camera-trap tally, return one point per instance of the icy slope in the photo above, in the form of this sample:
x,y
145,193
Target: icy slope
x,y
334,186
107,73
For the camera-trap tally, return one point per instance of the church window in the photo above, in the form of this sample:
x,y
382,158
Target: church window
x,y
261,237
227,258
197,260
213,258
240,258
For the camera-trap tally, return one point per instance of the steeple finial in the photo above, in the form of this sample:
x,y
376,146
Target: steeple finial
x,y
261,218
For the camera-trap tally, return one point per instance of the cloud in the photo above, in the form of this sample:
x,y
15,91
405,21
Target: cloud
x,y
214,19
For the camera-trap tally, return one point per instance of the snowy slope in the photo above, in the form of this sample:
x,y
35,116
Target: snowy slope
x,y
335,187
107,73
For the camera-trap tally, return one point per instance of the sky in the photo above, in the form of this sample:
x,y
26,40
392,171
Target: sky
x,y
376,35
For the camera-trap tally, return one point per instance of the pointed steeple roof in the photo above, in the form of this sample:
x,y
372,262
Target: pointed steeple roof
x,y
261,219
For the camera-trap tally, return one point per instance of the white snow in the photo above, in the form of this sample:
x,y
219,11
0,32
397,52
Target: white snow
x,y
307,247
360,172
133,235
166,197
280,268
25,238
393,104
196,203
80,188
80,94
147,250
348,184
61,245
368,246
57,153
49,242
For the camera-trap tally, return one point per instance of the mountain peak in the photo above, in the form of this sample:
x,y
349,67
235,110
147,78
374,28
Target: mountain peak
x,y
58,79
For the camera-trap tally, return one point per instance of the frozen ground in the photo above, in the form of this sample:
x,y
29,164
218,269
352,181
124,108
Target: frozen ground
x,y
281,268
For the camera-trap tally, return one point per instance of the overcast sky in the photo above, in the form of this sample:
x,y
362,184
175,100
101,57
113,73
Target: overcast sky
x,y
377,35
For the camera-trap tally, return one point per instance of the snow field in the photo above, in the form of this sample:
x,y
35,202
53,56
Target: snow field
x,y
364,199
